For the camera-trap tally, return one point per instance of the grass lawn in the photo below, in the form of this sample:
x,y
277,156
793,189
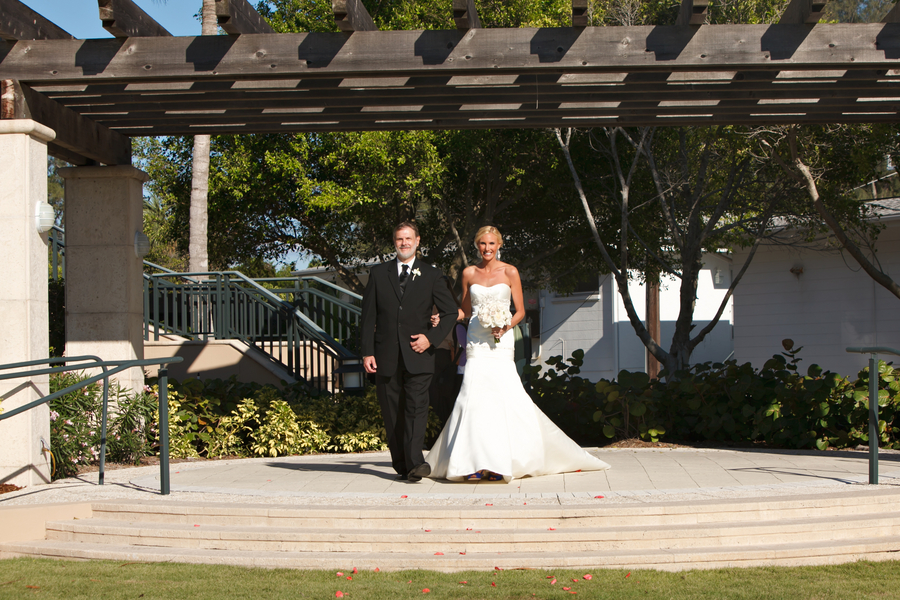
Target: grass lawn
x,y
43,578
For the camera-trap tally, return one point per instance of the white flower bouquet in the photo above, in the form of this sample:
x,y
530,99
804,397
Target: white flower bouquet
x,y
494,314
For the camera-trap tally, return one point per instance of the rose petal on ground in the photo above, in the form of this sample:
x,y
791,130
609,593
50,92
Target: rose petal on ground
x,y
497,569
349,578
598,496
567,589
339,594
377,570
629,575
588,577
427,530
551,528
339,574
355,571
438,553
493,584
404,496
468,529
462,552
464,582
426,590
550,577
488,504
553,582
574,581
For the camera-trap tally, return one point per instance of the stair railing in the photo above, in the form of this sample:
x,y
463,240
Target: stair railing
x,y
230,305
117,366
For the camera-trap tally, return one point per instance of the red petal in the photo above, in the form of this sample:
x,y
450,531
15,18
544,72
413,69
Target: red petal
x,y
462,552
355,571
567,589
377,570
339,574
464,582
627,576
588,577
598,496
468,529
425,591
404,496
339,594
438,553
553,582
493,584
497,569
578,471
488,504
349,578
552,528
550,577
427,530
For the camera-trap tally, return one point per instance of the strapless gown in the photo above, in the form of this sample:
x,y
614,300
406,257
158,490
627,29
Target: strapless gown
x,y
494,425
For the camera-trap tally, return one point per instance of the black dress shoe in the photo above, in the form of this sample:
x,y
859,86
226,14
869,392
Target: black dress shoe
x,y
419,471
401,477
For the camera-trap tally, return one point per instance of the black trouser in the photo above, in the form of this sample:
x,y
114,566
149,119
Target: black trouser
x,y
404,406
443,390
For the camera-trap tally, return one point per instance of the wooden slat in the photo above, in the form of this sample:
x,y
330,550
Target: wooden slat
x,y
893,15
124,18
351,15
465,15
693,12
580,17
803,12
491,52
238,16
78,135
19,22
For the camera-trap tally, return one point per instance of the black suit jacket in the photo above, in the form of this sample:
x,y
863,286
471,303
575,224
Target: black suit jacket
x,y
389,319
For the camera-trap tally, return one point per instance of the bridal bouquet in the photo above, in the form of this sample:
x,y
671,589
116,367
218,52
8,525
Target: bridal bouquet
x,y
494,314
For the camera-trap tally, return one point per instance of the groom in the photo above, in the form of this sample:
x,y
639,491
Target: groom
x,y
398,345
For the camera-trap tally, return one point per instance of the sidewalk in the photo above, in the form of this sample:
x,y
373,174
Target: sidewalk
x,y
637,475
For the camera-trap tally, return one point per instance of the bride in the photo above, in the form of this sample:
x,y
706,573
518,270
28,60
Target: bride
x,y
495,432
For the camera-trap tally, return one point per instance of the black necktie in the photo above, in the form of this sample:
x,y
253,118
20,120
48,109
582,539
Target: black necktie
x,y
404,276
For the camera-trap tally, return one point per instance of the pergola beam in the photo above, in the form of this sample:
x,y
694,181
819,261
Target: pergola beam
x,y
19,22
81,140
770,48
236,17
124,19
465,15
803,12
693,12
351,15
580,16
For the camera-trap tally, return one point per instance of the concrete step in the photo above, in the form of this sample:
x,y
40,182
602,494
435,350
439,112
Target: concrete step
x,y
485,515
486,540
827,552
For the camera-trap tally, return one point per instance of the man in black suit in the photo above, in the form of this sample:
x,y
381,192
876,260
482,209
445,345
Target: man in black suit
x,y
398,345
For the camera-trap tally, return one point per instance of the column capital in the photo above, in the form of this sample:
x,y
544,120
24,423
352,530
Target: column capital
x,y
27,127
111,172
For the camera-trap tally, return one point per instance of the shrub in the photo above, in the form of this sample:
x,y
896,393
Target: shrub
x,y
722,402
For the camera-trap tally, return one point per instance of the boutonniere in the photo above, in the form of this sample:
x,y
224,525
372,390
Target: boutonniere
x,y
416,273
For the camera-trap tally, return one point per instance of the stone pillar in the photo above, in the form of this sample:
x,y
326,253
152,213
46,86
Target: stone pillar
x,y
104,304
23,299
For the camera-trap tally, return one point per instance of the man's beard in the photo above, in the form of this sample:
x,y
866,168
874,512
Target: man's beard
x,y
405,255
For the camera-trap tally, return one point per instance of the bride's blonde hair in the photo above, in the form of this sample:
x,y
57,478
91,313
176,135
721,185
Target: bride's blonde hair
x,y
486,230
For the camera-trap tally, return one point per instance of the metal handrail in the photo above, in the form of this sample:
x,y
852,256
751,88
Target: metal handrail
x,y
874,376
118,366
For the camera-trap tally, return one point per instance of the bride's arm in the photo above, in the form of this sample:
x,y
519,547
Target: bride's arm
x,y
466,301
515,284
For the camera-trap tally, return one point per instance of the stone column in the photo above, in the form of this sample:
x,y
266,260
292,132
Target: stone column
x,y
23,299
104,305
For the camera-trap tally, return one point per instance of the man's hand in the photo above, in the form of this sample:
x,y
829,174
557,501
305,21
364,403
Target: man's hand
x,y
419,342
369,364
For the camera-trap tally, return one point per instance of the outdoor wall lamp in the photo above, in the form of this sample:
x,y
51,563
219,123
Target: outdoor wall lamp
x,y
44,217
141,244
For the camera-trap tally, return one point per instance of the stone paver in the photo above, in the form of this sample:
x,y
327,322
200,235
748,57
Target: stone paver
x,y
637,475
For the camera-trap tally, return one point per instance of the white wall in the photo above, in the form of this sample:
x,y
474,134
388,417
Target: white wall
x,y
831,305
599,325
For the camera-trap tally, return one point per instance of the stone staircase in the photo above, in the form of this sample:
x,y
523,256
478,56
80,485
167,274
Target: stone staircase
x,y
814,529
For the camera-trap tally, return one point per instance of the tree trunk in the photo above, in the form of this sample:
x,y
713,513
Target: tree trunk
x,y
198,252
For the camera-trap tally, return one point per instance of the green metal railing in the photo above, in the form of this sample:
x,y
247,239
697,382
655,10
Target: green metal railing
x,y
294,325
90,362
307,325
874,376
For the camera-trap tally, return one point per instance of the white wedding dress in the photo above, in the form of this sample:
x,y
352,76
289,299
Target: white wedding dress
x,y
494,425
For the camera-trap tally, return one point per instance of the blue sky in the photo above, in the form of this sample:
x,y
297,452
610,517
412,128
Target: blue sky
x,y
81,17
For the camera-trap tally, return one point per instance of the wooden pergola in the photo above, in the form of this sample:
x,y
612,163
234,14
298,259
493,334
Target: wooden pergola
x,y
96,94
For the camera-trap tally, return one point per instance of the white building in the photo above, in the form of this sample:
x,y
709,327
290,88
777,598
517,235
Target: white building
x,y
596,322
822,300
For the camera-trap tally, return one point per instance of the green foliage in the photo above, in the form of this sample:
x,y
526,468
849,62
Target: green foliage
x,y
75,425
216,418
723,402
56,301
